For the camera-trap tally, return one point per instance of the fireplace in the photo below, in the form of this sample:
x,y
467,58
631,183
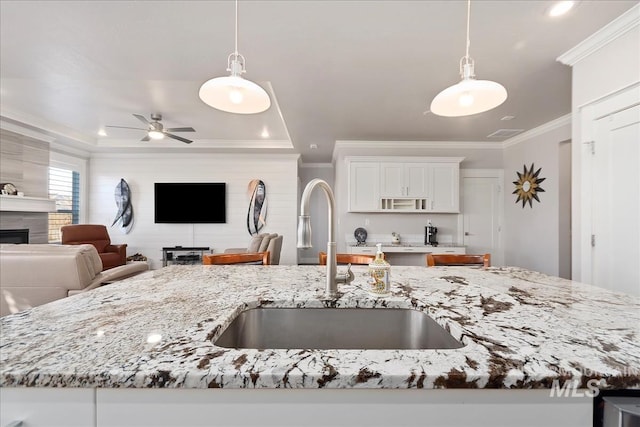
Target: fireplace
x,y
14,236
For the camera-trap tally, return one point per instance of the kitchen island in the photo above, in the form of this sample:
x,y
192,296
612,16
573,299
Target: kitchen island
x,y
522,332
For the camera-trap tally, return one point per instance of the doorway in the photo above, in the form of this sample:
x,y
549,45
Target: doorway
x,y
482,212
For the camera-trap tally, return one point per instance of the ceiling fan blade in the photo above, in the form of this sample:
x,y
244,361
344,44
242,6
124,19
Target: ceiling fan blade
x,y
146,138
181,129
179,138
123,127
142,119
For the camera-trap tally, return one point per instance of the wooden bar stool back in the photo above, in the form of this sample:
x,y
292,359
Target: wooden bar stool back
x,y
237,258
353,259
459,259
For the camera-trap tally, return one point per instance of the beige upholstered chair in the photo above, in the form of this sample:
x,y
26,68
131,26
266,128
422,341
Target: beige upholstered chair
x,y
264,242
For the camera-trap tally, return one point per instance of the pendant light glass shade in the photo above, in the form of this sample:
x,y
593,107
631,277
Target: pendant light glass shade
x,y
469,96
233,93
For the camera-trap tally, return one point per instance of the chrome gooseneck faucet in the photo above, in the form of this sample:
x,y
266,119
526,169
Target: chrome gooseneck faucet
x,y
304,236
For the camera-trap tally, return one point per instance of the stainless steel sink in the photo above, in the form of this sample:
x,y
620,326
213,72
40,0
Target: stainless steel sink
x,y
335,328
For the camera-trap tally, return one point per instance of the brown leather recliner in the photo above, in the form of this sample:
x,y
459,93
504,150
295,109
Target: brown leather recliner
x,y
96,235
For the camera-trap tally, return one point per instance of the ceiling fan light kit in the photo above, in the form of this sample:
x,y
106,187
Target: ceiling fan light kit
x,y
233,93
469,96
155,129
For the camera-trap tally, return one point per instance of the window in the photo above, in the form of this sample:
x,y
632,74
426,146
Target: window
x,y
64,188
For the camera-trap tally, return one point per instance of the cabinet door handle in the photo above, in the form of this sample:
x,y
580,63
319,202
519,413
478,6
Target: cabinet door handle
x,y
466,233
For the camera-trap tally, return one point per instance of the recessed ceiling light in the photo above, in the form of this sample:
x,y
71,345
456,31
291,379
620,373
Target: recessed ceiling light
x,y
313,146
560,8
102,132
265,133
506,118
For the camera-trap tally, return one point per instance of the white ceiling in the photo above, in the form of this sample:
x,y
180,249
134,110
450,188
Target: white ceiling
x,y
336,70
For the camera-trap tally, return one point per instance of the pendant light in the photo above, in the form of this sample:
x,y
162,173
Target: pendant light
x,y
470,96
233,93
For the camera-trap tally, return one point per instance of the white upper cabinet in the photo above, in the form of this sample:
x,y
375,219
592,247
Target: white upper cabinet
x,y
403,179
364,186
390,184
444,187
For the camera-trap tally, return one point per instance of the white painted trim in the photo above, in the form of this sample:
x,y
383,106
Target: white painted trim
x,y
19,129
317,165
183,155
491,145
56,131
542,129
26,204
404,159
605,35
274,100
202,144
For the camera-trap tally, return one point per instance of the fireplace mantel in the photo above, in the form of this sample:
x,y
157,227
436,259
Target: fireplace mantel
x,y
26,204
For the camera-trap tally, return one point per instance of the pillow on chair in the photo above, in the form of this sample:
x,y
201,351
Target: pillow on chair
x,y
254,245
265,242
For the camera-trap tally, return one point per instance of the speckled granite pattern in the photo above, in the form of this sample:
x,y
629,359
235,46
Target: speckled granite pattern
x,y
520,329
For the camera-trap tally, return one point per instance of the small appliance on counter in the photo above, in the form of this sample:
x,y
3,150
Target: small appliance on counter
x,y
430,234
395,238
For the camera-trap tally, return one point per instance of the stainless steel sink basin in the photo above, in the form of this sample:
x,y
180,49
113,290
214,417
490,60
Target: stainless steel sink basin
x,y
335,328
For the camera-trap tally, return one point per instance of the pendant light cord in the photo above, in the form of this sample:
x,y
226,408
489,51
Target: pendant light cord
x,y
236,52
468,20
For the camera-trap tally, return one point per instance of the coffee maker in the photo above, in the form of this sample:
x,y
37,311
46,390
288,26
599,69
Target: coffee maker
x,y
430,235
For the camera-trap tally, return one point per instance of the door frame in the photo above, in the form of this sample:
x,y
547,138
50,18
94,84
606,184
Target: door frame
x,y
485,173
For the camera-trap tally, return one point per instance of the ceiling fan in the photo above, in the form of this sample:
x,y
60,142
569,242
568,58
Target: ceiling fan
x,y
155,130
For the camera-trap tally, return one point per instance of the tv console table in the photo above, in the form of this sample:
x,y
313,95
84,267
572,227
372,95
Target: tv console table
x,y
189,255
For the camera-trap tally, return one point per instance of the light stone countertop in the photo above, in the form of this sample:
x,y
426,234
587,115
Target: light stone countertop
x,y
521,329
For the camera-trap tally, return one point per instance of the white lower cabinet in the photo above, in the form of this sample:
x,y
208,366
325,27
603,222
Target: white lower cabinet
x,y
371,250
47,407
354,407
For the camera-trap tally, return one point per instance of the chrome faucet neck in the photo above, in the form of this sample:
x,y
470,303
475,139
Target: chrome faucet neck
x,y
304,234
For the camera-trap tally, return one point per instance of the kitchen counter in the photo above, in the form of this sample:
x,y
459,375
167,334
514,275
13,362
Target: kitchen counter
x,y
521,329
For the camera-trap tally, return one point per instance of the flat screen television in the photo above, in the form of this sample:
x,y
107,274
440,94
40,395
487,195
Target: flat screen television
x,y
190,202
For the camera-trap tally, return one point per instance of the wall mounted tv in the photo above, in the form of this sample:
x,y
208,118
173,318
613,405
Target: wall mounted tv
x,y
190,202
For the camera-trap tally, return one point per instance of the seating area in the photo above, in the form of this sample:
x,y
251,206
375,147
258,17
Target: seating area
x,y
459,259
264,242
98,236
35,274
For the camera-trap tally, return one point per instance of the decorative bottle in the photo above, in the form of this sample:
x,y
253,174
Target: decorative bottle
x,y
379,269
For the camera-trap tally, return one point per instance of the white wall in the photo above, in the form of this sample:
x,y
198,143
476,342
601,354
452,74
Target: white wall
x,y
141,171
532,234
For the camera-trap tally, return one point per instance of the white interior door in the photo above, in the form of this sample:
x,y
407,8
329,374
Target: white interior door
x,y
482,214
616,202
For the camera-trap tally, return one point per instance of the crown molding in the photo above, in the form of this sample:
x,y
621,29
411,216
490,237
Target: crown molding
x,y
542,129
317,165
458,145
12,126
625,22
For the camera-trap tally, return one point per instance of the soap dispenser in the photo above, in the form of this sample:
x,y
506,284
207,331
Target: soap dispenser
x,y
379,269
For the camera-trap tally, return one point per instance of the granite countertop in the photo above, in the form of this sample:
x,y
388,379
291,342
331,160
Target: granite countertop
x,y
521,329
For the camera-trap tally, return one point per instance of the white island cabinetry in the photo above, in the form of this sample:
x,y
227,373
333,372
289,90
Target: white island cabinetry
x,y
40,407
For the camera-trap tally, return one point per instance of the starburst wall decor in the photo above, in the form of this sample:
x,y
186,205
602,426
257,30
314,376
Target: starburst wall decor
x,y
528,186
